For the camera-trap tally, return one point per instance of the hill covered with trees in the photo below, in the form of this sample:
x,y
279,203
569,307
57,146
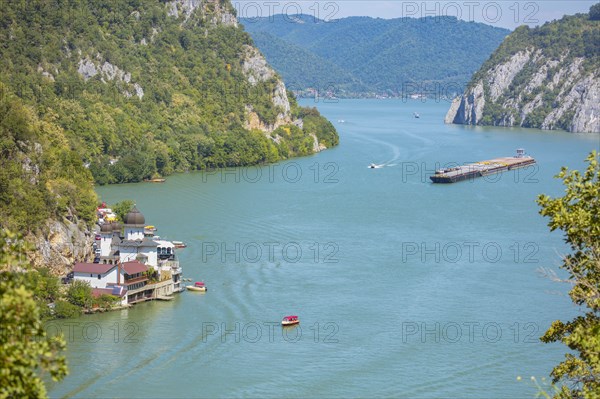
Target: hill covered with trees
x,y
362,56
145,87
101,91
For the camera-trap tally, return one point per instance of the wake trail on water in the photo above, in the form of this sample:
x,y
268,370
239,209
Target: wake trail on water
x,y
397,152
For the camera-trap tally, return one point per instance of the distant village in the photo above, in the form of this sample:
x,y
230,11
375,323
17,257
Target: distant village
x,y
130,262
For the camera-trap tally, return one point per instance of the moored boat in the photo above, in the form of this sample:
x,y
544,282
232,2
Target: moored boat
x,y
179,244
290,320
198,286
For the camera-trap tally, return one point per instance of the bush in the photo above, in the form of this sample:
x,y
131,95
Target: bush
x,y
106,301
66,310
80,294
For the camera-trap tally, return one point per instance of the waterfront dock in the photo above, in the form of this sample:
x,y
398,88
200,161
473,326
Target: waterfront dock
x,y
482,168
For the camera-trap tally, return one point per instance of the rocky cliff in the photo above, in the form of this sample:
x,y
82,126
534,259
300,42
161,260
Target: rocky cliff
x,y
547,78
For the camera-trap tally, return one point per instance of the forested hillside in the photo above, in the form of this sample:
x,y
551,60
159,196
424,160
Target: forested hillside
x,y
147,87
362,56
104,91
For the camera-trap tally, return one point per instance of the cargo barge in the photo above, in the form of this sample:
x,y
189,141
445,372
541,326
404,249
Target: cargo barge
x,y
483,168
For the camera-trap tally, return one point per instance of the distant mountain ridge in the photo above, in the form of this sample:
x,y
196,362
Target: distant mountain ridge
x,y
547,77
363,56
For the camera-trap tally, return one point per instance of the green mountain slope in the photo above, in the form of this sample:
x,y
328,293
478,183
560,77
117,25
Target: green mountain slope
x,y
105,91
547,77
309,69
146,87
372,55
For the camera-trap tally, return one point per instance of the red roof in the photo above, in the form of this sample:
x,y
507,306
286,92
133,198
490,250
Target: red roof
x,y
290,317
134,267
96,292
114,291
94,268
199,284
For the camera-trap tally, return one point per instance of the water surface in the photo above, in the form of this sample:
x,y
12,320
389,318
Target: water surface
x,y
403,288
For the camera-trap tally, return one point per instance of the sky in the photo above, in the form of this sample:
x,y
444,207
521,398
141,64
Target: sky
x,y
506,14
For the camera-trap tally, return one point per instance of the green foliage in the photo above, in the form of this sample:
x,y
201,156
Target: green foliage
x,y
25,349
40,176
122,208
79,294
361,56
196,93
595,12
105,301
577,214
66,310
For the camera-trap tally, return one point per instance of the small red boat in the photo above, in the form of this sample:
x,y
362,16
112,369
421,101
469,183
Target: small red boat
x,y
290,320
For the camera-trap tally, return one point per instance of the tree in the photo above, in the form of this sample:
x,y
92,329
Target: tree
x,y
595,12
25,349
577,214
123,208
80,294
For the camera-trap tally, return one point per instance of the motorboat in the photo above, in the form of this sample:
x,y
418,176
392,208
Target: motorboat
x,y
290,321
198,286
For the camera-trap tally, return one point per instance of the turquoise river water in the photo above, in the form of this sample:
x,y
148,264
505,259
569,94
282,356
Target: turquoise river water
x,y
403,288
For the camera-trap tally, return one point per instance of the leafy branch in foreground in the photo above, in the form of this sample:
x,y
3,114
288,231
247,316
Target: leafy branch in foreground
x,y
25,349
577,214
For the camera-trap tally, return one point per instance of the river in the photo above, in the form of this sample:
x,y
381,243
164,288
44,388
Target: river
x,y
403,288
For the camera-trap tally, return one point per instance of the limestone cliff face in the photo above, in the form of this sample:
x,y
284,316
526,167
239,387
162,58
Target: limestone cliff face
x,y
257,70
62,239
532,88
215,11
64,243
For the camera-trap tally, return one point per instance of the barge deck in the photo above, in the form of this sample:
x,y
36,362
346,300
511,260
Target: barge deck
x,y
482,168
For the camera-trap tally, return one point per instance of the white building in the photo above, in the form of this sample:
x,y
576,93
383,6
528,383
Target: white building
x,y
124,262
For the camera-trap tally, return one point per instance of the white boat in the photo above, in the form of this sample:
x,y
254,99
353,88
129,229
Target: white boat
x,y
198,286
290,320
